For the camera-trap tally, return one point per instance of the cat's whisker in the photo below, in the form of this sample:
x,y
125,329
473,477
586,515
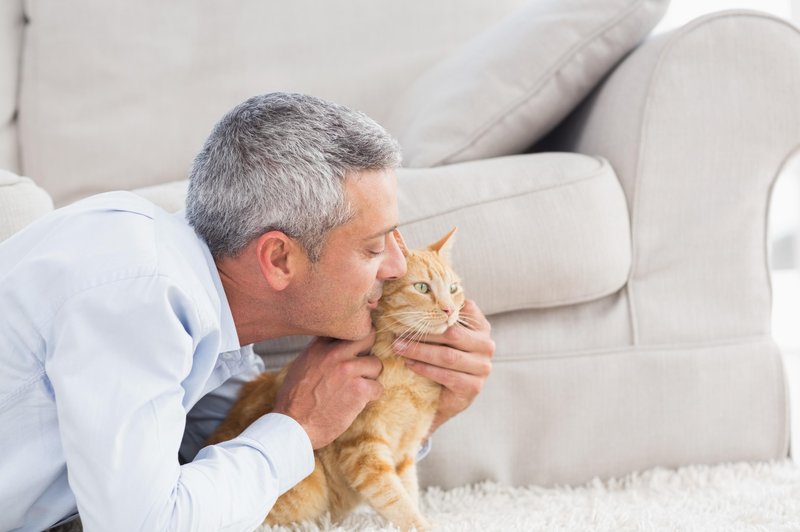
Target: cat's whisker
x,y
387,328
418,331
399,314
396,313
400,311
468,321
423,328
420,335
383,351
411,333
467,317
407,335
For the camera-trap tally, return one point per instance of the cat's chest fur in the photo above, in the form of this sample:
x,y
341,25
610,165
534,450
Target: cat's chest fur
x,y
405,410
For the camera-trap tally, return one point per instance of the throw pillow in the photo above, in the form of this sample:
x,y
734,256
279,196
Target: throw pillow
x,y
514,82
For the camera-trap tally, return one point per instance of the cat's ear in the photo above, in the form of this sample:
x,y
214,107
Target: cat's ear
x,y
444,245
401,243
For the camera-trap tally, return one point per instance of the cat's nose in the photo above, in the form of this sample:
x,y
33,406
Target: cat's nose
x,y
447,310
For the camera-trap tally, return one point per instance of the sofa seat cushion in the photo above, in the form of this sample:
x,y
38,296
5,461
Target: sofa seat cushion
x,y
534,231
21,202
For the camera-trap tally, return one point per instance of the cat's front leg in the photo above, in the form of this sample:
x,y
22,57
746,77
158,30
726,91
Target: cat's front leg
x,y
371,471
407,471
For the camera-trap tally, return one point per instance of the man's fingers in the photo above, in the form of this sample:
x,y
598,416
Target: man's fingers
x,y
369,367
459,382
447,358
473,338
375,389
363,346
345,349
472,317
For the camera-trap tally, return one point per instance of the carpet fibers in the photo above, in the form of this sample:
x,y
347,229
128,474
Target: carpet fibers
x,y
732,497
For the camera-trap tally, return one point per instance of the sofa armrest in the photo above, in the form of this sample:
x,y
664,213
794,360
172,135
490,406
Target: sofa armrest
x,y
697,124
21,202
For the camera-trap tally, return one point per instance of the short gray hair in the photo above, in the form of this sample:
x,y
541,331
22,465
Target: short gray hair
x,y
278,162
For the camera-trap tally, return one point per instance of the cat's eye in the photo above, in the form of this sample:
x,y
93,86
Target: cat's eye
x,y
422,288
454,288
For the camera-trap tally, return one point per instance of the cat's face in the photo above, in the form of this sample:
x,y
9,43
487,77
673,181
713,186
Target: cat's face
x,y
429,297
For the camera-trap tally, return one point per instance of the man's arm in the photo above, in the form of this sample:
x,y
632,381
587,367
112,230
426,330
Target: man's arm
x,y
460,360
120,353
207,414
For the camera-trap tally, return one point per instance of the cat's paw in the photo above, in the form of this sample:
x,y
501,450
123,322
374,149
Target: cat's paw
x,y
419,524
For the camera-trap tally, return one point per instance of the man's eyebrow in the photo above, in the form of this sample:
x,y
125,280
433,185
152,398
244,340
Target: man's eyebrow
x,y
381,233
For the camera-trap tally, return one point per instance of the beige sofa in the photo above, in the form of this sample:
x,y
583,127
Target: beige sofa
x,y
621,258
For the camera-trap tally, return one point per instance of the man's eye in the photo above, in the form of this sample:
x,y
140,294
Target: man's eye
x,y
376,253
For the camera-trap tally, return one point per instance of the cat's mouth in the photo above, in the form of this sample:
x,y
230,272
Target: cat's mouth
x,y
438,329
452,319
442,326
424,324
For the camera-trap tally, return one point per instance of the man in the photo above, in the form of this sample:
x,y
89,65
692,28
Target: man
x,y
123,326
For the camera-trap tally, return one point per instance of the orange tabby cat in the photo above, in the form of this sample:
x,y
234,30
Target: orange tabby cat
x,y
374,458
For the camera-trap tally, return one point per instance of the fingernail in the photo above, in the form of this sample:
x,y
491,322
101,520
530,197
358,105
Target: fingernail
x,y
401,345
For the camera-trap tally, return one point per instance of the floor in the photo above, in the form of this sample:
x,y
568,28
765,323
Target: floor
x,y
786,330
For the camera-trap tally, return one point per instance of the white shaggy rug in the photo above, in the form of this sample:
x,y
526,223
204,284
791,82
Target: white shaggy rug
x,y
734,497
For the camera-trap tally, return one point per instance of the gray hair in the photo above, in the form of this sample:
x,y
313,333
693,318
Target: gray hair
x,y
278,162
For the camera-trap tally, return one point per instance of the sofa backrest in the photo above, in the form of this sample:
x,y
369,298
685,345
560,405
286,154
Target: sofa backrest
x,y
11,24
117,94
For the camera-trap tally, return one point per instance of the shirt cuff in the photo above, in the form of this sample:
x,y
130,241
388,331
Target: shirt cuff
x,y
285,444
424,450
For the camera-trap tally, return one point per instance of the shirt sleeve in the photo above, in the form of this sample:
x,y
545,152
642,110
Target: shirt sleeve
x,y
116,359
207,414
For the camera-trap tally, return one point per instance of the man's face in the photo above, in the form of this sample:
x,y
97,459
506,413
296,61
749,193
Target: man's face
x,y
336,294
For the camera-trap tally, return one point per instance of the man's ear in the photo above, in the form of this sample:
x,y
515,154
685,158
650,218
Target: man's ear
x,y
278,258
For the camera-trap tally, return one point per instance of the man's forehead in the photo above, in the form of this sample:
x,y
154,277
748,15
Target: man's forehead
x,y
383,232
373,201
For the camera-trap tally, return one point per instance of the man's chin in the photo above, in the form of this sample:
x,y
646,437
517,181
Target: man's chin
x,y
355,330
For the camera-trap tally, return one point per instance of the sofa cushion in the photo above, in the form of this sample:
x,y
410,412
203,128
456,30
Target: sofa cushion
x,y
510,85
21,202
119,94
535,231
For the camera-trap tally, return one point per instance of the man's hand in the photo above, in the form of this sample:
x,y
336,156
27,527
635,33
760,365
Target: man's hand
x,y
460,360
328,385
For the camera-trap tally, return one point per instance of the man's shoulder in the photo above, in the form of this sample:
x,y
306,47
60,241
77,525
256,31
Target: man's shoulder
x,y
117,201
105,238
108,235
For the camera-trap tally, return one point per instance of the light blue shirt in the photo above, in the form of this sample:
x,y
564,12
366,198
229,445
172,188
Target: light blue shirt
x,y
115,341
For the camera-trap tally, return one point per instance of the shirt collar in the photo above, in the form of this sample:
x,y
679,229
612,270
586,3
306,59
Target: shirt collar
x,y
229,337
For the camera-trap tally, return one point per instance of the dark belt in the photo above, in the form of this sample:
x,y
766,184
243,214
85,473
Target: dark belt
x,y
71,524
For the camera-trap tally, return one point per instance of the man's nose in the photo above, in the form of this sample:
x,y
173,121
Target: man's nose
x,y
394,265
